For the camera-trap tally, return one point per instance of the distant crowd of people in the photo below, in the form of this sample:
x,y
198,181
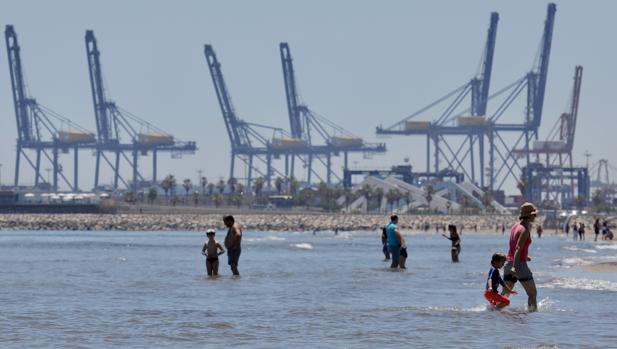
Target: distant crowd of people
x,y
578,230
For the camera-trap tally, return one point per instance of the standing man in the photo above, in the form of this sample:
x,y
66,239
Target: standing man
x,y
232,243
516,268
395,241
596,228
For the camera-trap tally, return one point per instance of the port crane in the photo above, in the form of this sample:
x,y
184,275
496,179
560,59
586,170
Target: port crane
x,y
122,134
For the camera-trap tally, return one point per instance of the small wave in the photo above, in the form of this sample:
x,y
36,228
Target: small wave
x,y
266,238
582,284
574,248
607,247
476,309
302,246
572,261
344,235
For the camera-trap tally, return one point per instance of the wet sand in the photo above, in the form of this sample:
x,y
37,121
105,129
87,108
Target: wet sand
x,y
609,267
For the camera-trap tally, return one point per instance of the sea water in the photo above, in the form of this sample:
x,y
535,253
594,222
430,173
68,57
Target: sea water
x,y
149,289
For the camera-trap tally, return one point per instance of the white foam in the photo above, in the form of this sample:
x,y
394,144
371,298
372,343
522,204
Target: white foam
x,y
574,248
607,247
302,246
476,309
582,284
266,238
574,261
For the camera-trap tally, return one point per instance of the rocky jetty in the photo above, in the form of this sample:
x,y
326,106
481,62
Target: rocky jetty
x,y
252,221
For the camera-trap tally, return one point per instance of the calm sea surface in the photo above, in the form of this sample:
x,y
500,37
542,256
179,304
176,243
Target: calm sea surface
x,y
148,289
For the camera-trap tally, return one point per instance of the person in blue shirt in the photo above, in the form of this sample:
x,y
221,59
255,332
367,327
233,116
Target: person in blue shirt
x,y
491,292
395,241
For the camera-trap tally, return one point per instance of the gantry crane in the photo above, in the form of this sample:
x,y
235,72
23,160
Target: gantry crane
x,y
37,128
552,178
247,142
482,125
454,122
309,128
114,123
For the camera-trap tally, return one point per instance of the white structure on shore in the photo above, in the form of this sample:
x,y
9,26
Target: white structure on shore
x,y
443,200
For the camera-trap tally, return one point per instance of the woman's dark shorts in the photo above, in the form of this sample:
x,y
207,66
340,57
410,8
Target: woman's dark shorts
x,y
522,272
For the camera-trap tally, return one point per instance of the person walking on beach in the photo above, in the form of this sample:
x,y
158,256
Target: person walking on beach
x,y
516,268
581,231
596,228
539,230
456,242
575,231
233,242
384,243
395,241
212,249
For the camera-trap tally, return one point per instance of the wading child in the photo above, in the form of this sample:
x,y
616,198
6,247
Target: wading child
x,y
493,281
212,250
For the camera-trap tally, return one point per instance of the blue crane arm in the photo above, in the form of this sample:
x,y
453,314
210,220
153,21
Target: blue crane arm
x,y
104,128
231,121
576,93
291,92
487,65
20,100
542,73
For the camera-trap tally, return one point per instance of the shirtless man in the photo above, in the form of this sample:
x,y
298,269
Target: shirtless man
x,y
232,243
212,249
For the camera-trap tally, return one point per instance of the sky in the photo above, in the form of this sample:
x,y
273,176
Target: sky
x,y
359,63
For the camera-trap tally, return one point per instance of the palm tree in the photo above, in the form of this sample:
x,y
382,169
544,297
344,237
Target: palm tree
x,y
152,194
204,182
211,187
167,183
221,186
367,192
258,185
305,197
232,184
293,186
391,197
379,196
429,191
187,186
278,184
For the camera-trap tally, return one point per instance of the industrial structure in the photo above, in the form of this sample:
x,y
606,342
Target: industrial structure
x,y
475,125
250,145
308,128
552,180
40,130
113,124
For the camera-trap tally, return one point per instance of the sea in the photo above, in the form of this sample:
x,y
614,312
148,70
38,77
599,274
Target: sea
x,y
110,289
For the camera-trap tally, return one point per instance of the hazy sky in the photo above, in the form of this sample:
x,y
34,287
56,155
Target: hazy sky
x,y
360,63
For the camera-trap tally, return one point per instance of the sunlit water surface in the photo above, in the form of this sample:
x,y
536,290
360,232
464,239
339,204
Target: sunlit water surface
x,y
148,289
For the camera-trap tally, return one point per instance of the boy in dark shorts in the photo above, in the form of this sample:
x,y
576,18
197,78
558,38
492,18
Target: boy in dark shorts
x,y
212,249
491,292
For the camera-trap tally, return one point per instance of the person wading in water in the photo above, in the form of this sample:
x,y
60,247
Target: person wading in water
x,y
516,268
232,243
456,242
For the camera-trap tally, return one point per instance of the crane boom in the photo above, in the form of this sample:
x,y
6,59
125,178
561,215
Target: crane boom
x,y
295,116
576,93
237,136
479,108
20,100
103,116
542,73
